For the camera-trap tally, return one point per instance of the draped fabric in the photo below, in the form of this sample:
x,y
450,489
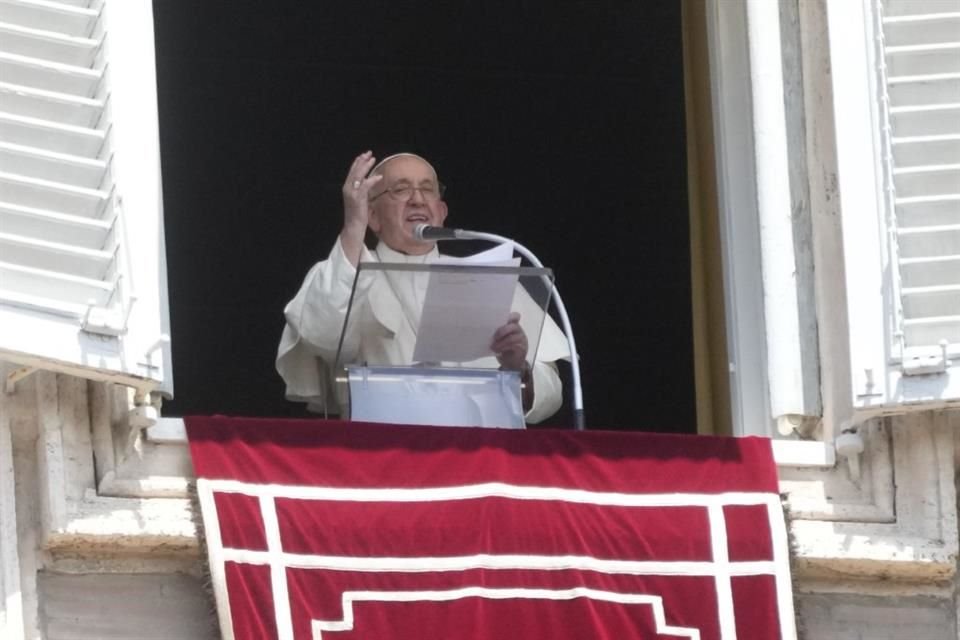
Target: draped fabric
x,y
321,529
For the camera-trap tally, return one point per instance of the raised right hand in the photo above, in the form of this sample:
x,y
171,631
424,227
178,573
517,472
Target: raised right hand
x,y
356,205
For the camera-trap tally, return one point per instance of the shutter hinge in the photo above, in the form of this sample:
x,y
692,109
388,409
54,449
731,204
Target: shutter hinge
x,y
923,362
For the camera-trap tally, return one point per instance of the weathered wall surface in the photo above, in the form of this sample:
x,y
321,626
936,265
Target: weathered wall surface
x,y
97,538
876,554
857,617
123,606
96,532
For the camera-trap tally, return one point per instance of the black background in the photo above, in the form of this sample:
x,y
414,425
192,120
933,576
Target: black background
x,y
560,123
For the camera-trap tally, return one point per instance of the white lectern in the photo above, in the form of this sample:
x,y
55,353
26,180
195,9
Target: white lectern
x,y
451,312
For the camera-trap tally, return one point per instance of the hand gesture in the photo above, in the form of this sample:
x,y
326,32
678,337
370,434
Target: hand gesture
x,y
356,192
510,344
356,205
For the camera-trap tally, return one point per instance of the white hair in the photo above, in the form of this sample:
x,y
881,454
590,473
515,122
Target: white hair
x,y
378,168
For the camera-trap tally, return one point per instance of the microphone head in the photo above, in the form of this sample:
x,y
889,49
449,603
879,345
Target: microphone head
x,y
428,233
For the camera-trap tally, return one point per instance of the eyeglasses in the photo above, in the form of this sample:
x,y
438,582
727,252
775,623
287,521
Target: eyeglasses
x,y
403,192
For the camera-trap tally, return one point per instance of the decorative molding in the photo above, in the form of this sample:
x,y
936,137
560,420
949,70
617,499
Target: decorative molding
x,y
831,494
921,543
100,488
111,525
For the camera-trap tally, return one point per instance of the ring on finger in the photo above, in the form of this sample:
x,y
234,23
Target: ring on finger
x,y
356,184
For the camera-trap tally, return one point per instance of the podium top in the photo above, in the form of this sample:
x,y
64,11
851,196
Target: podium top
x,y
439,315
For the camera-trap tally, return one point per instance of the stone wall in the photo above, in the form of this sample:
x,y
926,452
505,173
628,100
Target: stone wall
x,y
97,538
96,531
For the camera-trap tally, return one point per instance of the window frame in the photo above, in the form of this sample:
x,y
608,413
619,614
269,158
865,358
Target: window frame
x,y
860,368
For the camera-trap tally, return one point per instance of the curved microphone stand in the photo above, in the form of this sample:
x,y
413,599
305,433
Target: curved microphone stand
x,y
463,234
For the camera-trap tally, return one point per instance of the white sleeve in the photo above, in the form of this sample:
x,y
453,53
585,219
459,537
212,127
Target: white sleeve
x,y
547,392
314,320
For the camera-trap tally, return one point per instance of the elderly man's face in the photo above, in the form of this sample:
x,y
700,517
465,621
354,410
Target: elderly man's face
x,y
392,218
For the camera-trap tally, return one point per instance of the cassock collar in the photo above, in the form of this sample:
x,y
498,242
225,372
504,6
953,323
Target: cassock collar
x,y
386,254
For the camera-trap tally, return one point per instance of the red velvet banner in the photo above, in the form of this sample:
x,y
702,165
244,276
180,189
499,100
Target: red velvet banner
x,y
350,531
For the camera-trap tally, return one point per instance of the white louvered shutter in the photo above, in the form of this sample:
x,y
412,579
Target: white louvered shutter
x,y
82,273
919,83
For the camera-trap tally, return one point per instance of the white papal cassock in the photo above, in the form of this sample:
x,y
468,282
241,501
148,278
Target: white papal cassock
x,y
383,328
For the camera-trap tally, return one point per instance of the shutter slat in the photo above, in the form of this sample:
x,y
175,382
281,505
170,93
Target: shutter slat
x,y
917,214
893,8
941,58
930,271
945,137
48,45
51,136
923,28
931,302
929,199
70,260
49,16
943,179
933,289
57,306
930,331
47,288
932,321
83,4
925,108
89,233
46,194
932,260
924,48
926,120
50,106
924,89
926,18
50,76
940,148
59,167
926,168
915,244
933,229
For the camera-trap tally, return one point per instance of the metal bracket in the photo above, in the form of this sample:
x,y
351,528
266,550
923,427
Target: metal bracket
x,y
926,362
849,444
106,321
146,410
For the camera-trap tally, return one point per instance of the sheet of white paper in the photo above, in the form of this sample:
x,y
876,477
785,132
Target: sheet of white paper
x,y
500,253
462,311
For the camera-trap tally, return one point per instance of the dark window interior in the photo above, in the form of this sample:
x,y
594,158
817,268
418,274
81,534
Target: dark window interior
x,y
559,123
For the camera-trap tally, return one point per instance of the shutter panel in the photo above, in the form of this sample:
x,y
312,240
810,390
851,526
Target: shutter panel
x,y
922,50
67,247
919,83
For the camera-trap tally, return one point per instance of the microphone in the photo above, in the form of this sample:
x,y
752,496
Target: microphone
x,y
427,233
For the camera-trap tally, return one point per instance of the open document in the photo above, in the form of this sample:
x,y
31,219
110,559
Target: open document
x,y
462,311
